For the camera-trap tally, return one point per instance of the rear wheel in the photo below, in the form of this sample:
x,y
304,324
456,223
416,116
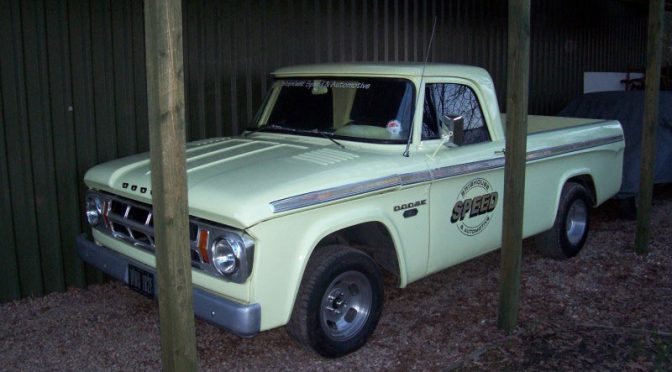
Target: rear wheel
x,y
570,230
339,301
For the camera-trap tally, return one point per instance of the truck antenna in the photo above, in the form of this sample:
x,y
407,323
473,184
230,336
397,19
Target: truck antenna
x,y
422,78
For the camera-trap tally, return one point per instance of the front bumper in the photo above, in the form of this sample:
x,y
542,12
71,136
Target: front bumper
x,y
241,320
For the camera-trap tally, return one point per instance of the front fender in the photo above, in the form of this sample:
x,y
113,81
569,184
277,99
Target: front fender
x,y
284,245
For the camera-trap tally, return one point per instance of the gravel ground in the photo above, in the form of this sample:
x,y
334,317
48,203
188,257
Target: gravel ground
x,y
605,309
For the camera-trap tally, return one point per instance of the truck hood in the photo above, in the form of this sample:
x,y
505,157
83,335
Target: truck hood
x,y
233,181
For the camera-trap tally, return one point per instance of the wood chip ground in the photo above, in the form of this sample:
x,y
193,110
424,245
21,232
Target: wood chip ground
x,y
607,309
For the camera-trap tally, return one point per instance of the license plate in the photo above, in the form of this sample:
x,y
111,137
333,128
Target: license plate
x,y
141,281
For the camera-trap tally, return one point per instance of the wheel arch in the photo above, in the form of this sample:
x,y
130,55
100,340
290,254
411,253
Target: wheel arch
x,y
584,177
341,231
585,180
580,176
556,242
351,230
373,238
279,289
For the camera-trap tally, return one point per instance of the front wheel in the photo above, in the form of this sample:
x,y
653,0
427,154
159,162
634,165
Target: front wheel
x,y
570,230
339,301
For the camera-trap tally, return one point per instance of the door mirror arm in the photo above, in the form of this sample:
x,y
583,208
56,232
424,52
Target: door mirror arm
x,y
452,132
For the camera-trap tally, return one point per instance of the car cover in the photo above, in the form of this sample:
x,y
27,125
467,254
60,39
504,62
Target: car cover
x,y
628,108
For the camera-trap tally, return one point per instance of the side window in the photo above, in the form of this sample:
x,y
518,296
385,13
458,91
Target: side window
x,y
453,100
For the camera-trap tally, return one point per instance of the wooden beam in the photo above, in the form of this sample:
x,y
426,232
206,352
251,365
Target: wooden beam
x,y
514,169
649,123
165,99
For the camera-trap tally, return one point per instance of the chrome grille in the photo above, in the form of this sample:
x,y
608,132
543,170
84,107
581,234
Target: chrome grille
x,y
133,222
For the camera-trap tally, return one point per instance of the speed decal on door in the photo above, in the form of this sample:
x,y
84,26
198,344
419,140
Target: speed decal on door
x,y
473,209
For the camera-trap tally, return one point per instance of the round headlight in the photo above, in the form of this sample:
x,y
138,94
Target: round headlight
x,y
225,256
94,209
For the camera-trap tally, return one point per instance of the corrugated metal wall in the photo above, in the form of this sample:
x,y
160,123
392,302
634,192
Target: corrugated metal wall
x,y
230,48
72,94
72,86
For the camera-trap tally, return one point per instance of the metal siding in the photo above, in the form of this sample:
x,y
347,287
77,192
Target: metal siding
x,y
79,33
72,86
41,146
139,78
9,285
269,34
64,155
19,152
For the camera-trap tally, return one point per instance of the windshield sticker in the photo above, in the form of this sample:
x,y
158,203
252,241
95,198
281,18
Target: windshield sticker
x,y
394,127
334,84
472,211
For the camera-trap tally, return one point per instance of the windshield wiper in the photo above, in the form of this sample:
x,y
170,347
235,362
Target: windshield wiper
x,y
293,130
329,137
261,129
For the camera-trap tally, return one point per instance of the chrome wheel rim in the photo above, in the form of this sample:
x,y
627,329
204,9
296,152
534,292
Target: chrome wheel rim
x,y
577,221
346,305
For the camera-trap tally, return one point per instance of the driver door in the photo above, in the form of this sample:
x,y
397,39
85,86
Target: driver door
x,y
465,197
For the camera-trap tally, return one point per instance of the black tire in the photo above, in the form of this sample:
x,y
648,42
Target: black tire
x,y
572,221
339,301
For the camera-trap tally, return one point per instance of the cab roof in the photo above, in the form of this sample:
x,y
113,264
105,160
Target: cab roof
x,y
408,70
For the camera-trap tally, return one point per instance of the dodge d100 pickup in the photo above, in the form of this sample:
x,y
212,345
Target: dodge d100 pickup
x,y
351,170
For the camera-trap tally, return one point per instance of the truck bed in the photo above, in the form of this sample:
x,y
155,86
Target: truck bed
x,y
540,123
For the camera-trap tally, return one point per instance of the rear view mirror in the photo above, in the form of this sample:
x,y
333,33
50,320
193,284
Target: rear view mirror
x,y
452,129
318,88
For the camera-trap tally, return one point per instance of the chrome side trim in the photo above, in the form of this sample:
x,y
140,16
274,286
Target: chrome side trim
x,y
345,191
462,169
484,165
572,147
334,193
415,177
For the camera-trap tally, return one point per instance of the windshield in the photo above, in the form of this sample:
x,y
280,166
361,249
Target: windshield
x,y
366,109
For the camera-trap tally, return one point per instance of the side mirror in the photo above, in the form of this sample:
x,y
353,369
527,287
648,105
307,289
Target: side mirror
x,y
452,129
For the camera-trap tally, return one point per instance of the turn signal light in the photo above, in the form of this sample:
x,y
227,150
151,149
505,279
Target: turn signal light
x,y
203,236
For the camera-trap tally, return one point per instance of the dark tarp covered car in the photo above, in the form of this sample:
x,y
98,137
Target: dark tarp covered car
x,y
628,108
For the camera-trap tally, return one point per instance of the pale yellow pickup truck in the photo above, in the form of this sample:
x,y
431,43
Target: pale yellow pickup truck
x,y
352,169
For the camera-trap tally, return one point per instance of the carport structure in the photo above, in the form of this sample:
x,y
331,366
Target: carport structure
x,y
68,108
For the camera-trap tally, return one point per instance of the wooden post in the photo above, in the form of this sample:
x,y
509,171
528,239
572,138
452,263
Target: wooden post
x,y
649,123
514,170
165,99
